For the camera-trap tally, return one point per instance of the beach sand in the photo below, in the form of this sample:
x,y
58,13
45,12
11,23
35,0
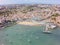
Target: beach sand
x,y
28,23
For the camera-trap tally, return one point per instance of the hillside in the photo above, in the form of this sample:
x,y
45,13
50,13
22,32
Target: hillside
x,y
36,12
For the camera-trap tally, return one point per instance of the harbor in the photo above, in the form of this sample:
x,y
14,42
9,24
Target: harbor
x,y
25,24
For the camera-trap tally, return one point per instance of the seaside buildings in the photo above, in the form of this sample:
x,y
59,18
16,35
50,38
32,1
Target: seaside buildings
x,y
30,12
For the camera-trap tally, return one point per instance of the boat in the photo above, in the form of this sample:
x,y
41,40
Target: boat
x,y
53,26
49,28
47,32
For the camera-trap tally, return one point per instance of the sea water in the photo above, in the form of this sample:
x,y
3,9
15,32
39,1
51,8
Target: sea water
x,y
28,35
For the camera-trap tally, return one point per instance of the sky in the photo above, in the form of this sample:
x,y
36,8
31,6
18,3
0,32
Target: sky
x,y
3,2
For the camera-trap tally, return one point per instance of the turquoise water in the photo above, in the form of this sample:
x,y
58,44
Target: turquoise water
x,y
28,35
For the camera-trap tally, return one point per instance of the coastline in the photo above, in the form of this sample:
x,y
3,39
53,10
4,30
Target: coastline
x,y
28,23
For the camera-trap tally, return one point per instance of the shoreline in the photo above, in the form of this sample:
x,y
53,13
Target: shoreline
x,y
28,23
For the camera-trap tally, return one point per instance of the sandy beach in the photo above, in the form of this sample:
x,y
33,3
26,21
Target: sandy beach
x,y
28,23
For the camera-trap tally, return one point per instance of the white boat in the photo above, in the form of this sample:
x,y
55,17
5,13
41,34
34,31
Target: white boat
x,y
47,32
53,26
49,27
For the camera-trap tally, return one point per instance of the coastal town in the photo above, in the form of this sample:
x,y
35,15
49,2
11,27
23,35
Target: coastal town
x,y
30,24
34,14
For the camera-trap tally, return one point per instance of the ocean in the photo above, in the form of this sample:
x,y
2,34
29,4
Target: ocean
x,y
28,35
